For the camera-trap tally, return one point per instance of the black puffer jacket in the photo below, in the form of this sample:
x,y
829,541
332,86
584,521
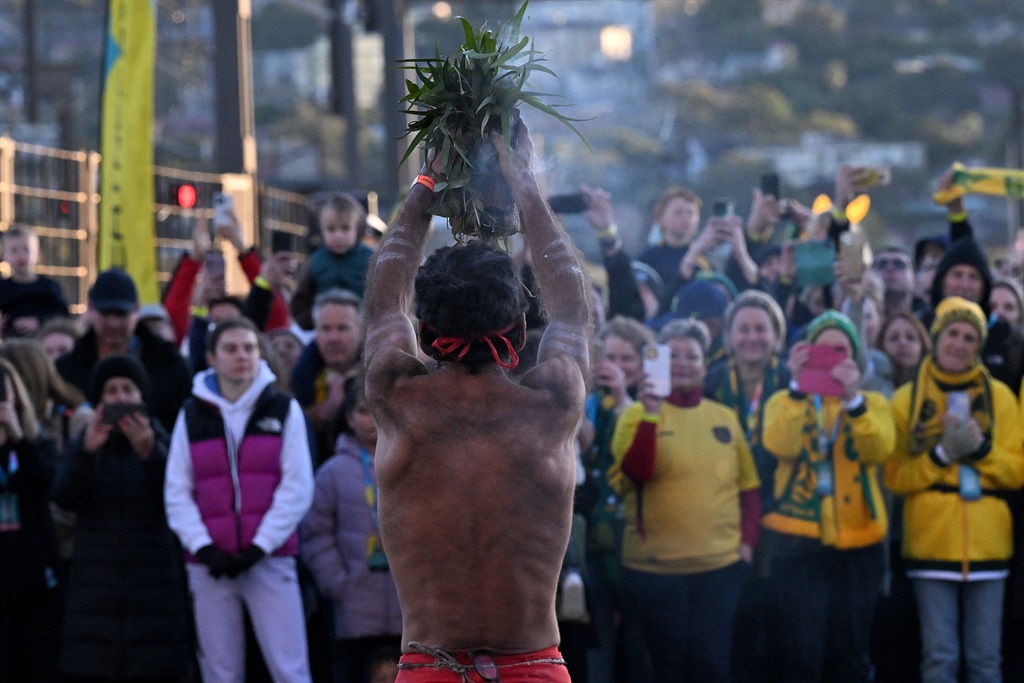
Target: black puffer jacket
x,y
127,610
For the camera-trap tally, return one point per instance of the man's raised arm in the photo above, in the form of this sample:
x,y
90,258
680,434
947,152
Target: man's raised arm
x,y
390,278
556,264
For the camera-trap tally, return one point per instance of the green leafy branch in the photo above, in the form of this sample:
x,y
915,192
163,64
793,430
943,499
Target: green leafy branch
x,y
458,101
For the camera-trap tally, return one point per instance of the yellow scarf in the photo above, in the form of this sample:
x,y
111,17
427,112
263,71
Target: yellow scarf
x,y
928,401
1002,182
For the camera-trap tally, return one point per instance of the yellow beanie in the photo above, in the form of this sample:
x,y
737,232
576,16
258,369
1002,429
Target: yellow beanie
x,y
954,309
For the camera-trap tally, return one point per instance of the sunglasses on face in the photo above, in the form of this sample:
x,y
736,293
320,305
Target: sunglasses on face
x,y
898,264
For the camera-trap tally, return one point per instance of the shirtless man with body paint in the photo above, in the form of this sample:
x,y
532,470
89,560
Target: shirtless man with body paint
x,y
476,471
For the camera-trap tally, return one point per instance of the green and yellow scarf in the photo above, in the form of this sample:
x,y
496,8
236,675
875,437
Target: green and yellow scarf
x,y
928,402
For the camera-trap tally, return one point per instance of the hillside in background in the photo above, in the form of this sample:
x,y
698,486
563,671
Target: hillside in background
x,y
732,78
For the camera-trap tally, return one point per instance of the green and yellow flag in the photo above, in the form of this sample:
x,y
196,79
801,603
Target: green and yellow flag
x,y
1002,182
126,144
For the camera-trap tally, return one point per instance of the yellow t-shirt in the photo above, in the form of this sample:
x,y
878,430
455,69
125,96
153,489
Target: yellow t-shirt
x,y
691,506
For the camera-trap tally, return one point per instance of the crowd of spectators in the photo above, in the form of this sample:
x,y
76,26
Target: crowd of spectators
x,y
187,490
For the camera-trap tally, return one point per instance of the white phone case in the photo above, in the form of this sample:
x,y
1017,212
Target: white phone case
x,y
223,204
657,367
958,404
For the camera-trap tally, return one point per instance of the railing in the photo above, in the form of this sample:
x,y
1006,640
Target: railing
x,y
55,192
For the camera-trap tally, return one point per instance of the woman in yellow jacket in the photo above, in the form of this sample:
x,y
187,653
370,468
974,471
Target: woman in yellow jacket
x,y
958,449
692,506
822,546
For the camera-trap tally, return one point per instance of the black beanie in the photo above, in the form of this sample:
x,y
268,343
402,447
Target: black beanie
x,y
964,251
118,366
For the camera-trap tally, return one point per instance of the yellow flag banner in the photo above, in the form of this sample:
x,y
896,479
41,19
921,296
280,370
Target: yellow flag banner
x,y
126,143
1001,182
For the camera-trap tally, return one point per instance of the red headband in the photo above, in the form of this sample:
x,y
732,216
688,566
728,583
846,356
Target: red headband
x,y
449,345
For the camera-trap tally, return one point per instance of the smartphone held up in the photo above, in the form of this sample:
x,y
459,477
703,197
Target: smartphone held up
x,y
770,185
223,209
723,208
816,375
851,254
568,203
658,367
113,412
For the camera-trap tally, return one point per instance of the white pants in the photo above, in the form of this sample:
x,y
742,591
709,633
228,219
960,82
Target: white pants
x,y
269,590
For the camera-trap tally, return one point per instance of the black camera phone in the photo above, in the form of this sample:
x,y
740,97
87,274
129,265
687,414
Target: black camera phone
x,y
568,203
723,208
113,412
770,184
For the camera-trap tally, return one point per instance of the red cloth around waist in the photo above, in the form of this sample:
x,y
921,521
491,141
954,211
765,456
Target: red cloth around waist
x,y
511,668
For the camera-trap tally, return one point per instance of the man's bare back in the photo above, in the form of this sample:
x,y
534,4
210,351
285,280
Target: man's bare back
x,y
476,503
476,472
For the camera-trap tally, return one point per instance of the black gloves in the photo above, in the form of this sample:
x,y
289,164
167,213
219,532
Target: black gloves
x,y
221,563
218,561
245,559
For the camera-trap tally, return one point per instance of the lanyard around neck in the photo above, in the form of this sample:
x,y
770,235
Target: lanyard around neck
x,y
825,441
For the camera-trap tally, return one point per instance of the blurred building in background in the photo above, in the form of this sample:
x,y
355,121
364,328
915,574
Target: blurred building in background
x,y
708,94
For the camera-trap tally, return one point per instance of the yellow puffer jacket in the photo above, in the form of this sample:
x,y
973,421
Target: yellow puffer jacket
x,y
944,535
854,517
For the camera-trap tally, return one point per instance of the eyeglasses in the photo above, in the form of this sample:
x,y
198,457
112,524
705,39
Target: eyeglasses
x,y
898,264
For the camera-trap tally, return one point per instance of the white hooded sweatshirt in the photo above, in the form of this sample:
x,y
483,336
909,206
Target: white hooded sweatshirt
x,y
293,495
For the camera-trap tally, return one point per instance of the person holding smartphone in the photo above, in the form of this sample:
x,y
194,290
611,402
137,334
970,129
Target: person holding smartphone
x,y
958,454
127,615
198,279
822,548
692,508
721,246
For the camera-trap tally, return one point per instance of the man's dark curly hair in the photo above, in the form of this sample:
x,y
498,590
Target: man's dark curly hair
x,y
469,291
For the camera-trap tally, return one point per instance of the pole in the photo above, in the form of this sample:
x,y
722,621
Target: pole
x,y
391,18
343,91
31,72
229,155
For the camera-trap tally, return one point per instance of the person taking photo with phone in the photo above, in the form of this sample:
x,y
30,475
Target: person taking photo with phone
x,y
958,452
822,547
127,614
692,508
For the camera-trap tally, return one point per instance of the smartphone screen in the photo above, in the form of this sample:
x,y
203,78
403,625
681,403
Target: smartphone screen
x,y
770,184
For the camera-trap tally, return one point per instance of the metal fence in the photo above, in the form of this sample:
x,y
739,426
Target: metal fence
x,y
56,193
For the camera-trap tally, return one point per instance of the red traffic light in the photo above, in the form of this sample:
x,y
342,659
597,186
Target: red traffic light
x,y
185,195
